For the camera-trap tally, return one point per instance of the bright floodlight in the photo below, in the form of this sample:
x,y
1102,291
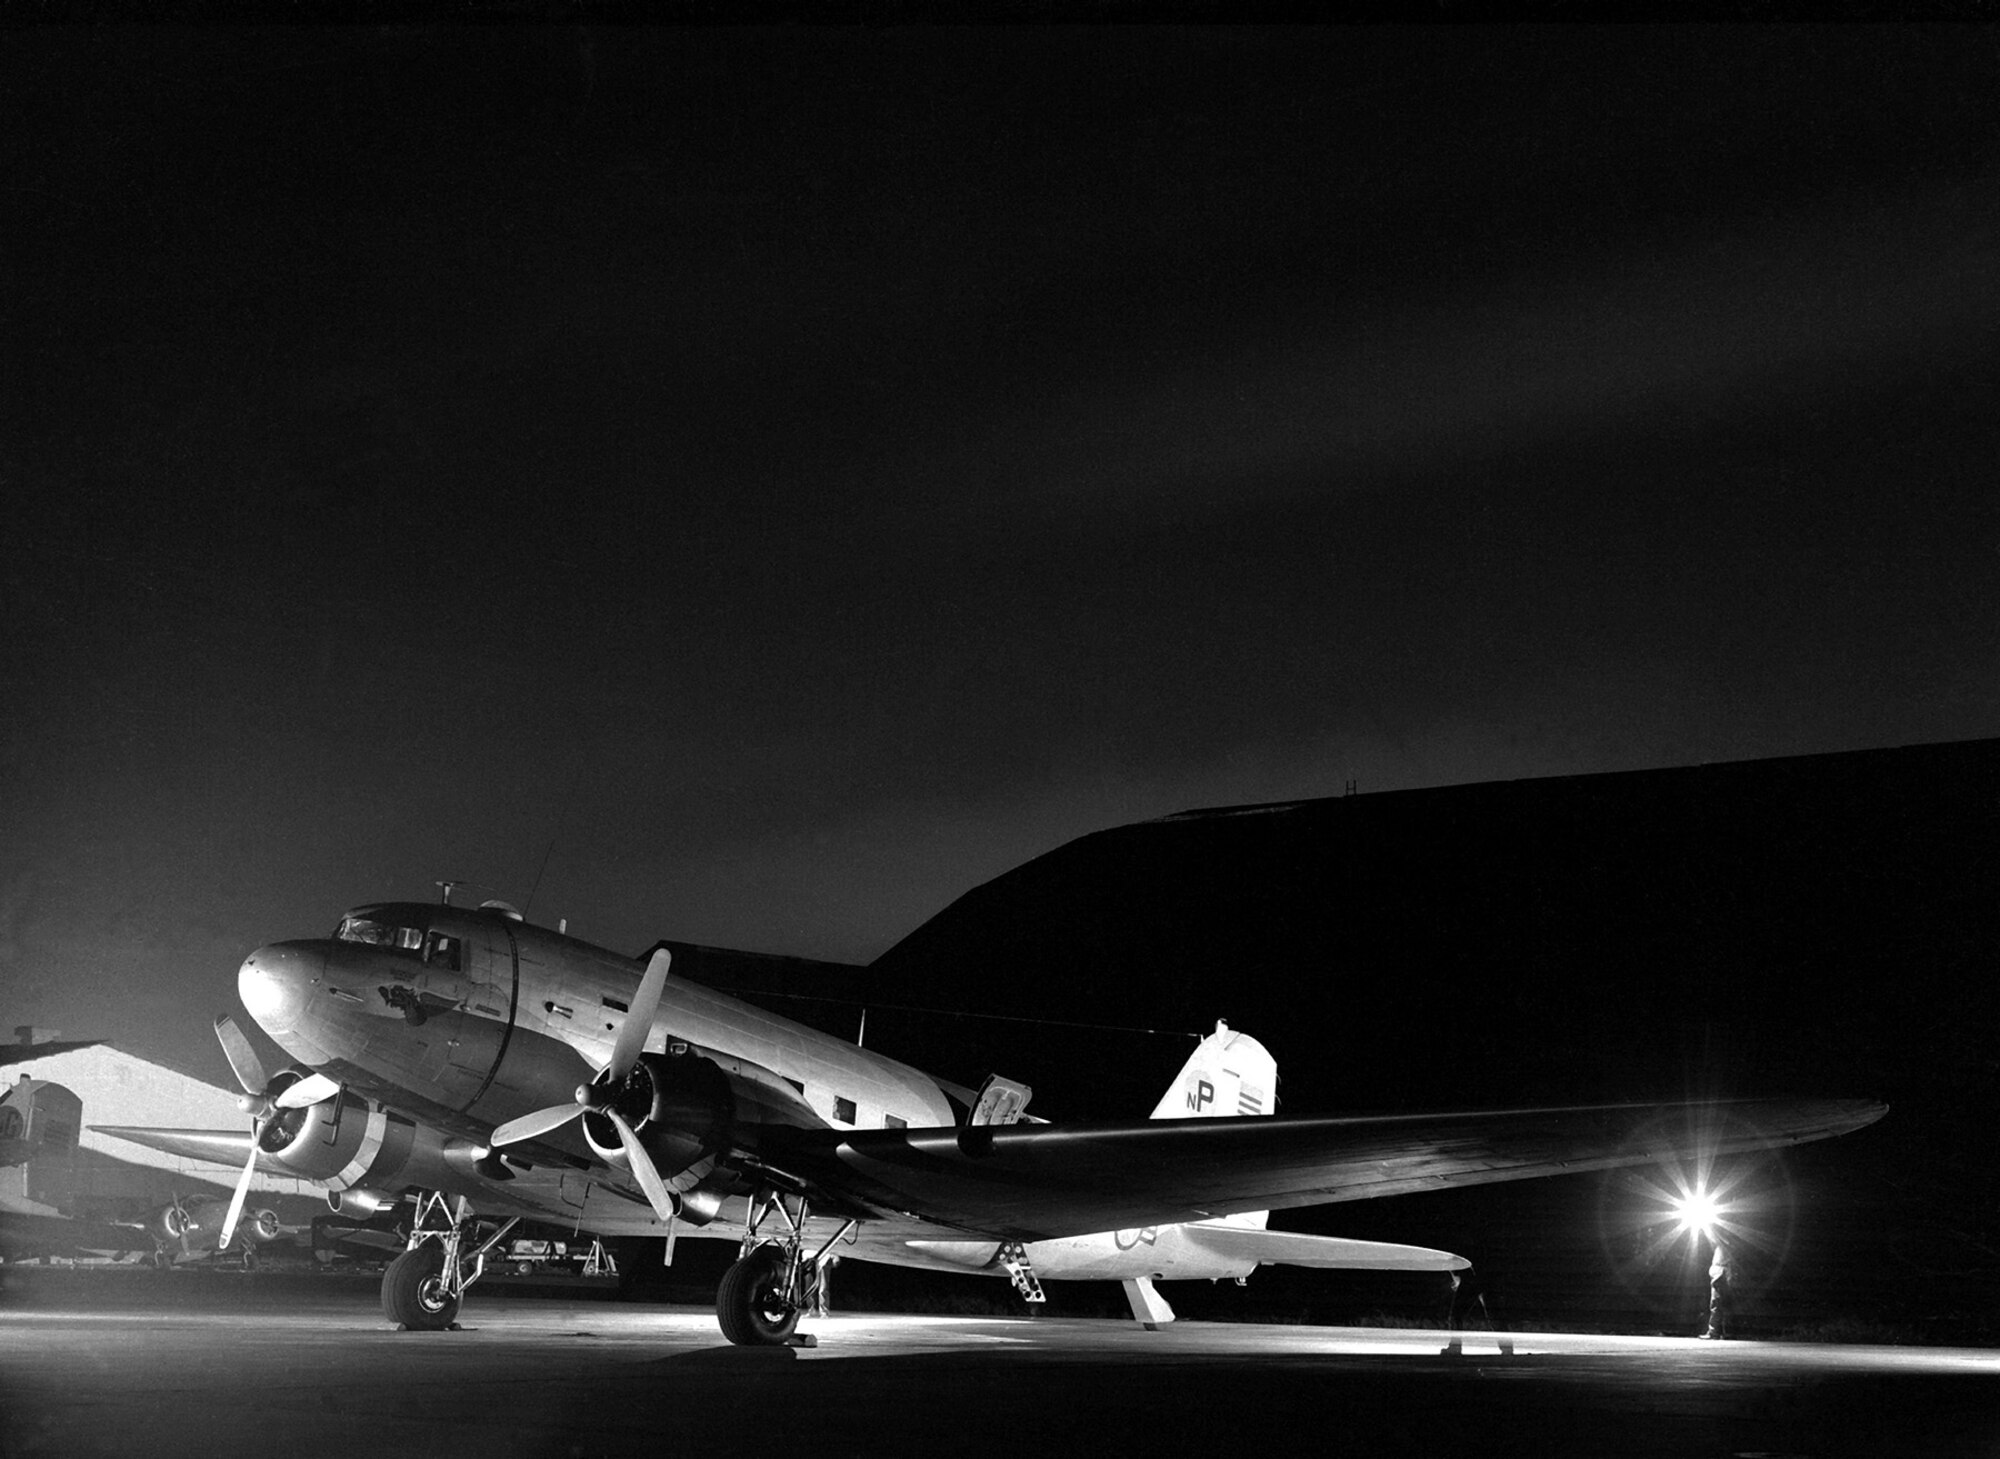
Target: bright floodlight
x,y
1698,1211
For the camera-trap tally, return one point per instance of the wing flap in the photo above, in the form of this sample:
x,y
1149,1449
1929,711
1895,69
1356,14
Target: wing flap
x,y
1037,1182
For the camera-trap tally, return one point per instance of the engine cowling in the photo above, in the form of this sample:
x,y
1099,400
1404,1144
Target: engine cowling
x,y
342,1142
365,1155
260,1225
692,1106
169,1223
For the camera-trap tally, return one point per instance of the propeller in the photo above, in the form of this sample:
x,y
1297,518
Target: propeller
x,y
611,1084
261,1105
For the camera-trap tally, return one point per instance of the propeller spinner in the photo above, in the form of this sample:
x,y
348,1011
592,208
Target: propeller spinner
x,y
603,1094
261,1104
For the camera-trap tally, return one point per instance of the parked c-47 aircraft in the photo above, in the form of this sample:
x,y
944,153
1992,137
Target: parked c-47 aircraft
x,y
466,1054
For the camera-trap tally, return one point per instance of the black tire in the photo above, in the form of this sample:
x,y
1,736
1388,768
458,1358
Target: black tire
x,y
412,1293
748,1303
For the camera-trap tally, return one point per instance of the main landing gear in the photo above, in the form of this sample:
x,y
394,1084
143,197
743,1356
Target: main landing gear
x,y
422,1288
775,1282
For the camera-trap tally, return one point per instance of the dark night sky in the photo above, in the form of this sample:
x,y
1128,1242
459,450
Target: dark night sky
x,y
790,477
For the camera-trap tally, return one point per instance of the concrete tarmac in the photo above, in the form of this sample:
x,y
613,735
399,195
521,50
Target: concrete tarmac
x,y
214,1366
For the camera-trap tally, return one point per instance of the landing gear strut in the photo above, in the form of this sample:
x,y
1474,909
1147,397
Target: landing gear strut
x,y
422,1288
773,1283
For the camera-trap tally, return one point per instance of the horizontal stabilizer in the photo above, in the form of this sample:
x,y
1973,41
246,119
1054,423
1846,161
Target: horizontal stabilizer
x,y
1296,1248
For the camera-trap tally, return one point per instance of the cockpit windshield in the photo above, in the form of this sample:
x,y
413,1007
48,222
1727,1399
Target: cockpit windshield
x,y
380,934
434,949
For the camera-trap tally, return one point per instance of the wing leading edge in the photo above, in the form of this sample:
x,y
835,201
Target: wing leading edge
x,y
1038,1182
218,1147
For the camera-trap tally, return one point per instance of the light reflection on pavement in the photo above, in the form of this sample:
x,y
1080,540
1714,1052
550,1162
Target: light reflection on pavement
x,y
524,1377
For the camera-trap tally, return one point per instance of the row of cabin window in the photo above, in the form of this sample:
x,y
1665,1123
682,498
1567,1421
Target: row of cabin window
x,y
844,1112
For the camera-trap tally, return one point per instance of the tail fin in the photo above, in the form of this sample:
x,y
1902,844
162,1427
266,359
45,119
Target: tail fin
x,y
39,1125
1229,1073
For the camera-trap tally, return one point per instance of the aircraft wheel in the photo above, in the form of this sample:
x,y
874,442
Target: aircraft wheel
x,y
749,1302
413,1293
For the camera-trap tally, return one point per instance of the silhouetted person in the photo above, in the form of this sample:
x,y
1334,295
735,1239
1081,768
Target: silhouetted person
x,y
1469,1294
1721,1297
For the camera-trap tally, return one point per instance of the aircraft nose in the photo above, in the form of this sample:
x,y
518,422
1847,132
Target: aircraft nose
x,y
274,986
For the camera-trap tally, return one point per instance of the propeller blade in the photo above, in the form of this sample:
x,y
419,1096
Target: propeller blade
x,y
309,1090
243,1060
639,1018
528,1126
643,1167
242,1190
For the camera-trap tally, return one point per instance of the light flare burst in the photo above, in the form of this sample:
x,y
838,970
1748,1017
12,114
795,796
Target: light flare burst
x,y
1659,1224
1699,1211
1700,1205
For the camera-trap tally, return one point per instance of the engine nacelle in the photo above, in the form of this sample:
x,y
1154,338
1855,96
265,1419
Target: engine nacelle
x,y
342,1142
698,1106
169,1223
260,1225
366,1156
317,1141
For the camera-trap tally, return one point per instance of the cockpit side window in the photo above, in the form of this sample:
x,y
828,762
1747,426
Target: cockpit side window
x,y
441,951
380,934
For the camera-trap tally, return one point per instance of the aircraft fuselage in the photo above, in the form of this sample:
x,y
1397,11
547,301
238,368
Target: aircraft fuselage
x,y
466,1052
460,1020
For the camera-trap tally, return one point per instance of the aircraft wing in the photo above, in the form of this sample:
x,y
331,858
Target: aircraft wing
x,y
1028,1183
219,1147
24,1235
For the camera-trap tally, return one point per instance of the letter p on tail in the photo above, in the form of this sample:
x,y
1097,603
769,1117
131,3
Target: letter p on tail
x,y
1228,1074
